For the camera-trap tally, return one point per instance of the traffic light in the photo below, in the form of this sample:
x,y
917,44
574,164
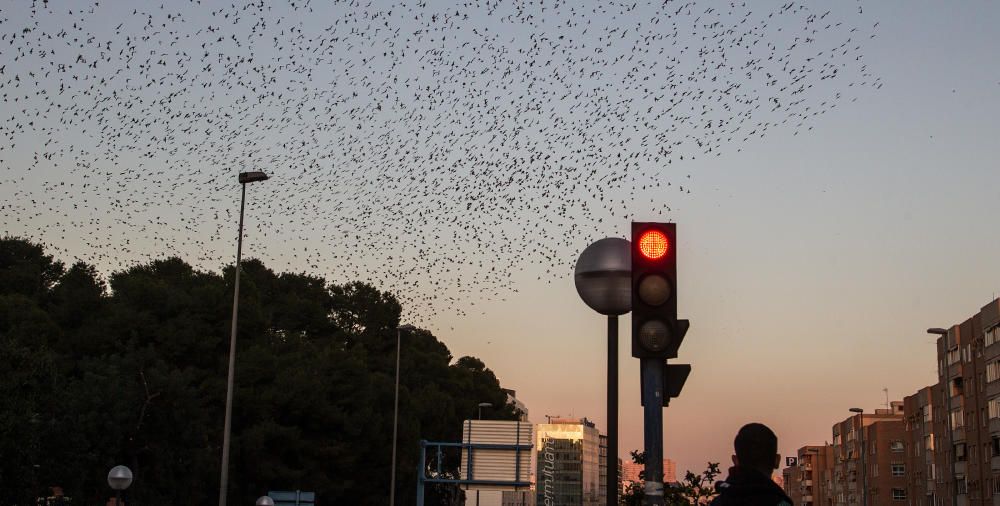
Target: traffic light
x,y
674,376
656,331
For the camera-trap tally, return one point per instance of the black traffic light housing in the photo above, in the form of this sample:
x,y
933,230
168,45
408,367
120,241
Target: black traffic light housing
x,y
656,331
674,376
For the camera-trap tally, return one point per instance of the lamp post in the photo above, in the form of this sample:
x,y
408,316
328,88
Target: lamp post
x,y
244,178
119,478
864,469
265,500
395,414
482,405
947,419
603,277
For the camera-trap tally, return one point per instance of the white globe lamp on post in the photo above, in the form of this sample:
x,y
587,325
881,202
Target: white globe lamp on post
x,y
603,277
119,478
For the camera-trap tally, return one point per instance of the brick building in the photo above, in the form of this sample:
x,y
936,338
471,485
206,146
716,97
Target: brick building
x,y
922,468
869,453
967,397
809,482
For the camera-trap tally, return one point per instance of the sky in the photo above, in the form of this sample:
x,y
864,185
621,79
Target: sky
x,y
810,265
811,260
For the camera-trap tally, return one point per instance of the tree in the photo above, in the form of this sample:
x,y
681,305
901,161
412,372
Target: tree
x,y
133,371
695,489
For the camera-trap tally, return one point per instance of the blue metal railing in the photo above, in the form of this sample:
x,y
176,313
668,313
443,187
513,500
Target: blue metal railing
x,y
423,479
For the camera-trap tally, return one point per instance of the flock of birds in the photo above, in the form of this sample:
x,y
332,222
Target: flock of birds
x,y
441,150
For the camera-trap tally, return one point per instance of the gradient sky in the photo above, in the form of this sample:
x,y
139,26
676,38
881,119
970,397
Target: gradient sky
x,y
810,264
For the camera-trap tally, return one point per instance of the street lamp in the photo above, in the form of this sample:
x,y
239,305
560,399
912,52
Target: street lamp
x,y
482,405
395,413
244,178
947,419
119,478
864,470
265,500
603,278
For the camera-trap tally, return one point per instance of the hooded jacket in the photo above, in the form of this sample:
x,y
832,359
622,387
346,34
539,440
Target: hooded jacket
x,y
749,487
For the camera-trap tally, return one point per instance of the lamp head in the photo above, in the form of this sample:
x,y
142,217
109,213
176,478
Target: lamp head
x,y
252,177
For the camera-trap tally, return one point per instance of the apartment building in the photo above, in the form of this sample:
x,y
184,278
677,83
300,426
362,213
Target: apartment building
x,y
869,453
809,482
922,471
967,461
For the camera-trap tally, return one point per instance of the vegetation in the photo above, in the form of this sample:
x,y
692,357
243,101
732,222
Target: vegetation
x,y
694,489
133,371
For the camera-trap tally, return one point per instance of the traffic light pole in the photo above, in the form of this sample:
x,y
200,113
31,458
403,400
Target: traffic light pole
x,y
652,370
612,459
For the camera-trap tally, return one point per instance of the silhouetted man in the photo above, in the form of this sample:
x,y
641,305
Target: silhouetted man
x,y
749,482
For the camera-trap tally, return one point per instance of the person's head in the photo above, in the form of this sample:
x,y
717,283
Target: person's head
x,y
756,448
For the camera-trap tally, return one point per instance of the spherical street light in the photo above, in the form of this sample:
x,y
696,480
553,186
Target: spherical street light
x,y
265,501
603,276
119,478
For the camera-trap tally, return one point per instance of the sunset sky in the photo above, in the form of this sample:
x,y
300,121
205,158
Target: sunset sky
x,y
810,261
810,265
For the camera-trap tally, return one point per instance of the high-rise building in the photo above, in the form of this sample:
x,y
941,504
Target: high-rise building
x,y
965,413
569,463
869,452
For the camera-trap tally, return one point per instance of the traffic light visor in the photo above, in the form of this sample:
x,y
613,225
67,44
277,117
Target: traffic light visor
x,y
653,244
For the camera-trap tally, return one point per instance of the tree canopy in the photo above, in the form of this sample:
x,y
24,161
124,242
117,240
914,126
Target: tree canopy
x,y
133,371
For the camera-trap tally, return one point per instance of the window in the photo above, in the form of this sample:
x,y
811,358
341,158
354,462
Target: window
x,y
898,469
960,452
899,494
836,440
929,442
992,335
996,484
994,407
953,356
895,446
962,486
993,371
928,413
956,419
996,446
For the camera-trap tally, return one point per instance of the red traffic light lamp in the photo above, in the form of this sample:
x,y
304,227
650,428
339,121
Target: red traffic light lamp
x,y
656,331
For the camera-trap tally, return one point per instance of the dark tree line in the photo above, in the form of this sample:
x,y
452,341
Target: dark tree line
x,y
133,371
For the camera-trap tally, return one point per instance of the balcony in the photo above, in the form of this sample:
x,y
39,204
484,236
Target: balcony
x,y
995,463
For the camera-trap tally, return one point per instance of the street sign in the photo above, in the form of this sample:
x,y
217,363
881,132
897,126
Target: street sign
x,y
791,461
292,498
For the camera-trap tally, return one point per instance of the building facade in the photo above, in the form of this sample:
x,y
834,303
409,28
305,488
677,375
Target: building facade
x,y
569,463
920,432
869,451
939,447
808,483
967,459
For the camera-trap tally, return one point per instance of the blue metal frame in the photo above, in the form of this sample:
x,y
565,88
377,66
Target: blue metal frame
x,y
423,479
